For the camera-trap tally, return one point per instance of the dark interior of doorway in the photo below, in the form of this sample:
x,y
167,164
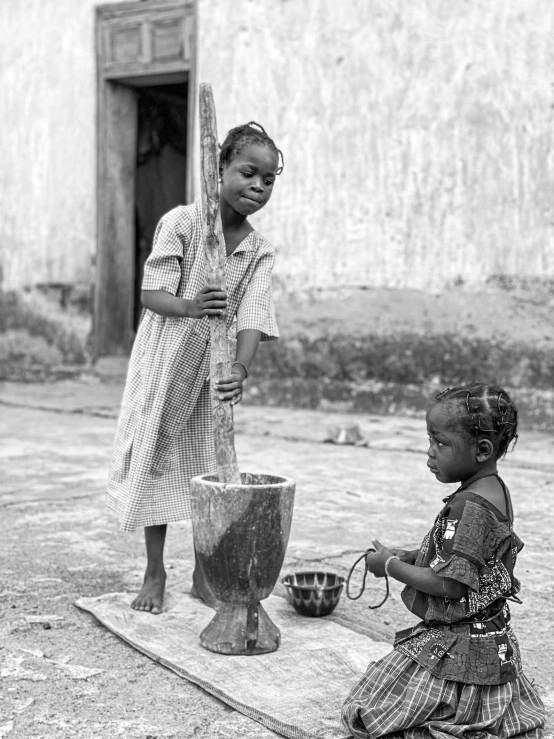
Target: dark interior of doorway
x,y
160,168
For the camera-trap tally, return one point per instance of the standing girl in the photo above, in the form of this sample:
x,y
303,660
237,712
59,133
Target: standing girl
x,y
164,435
457,673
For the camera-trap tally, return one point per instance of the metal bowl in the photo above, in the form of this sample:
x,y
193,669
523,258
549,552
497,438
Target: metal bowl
x,y
313,593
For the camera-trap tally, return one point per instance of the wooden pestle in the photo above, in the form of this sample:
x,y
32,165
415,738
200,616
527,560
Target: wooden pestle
x,y
214,244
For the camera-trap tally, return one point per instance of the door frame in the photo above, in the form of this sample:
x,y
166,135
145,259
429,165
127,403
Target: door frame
x,y
144,43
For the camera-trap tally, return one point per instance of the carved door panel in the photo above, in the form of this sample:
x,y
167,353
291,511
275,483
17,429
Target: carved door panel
x,y
145,38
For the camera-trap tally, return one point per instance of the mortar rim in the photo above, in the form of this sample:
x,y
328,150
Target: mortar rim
x,y
284,481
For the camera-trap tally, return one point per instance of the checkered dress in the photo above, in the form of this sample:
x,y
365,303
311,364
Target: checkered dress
x,y
164,433
399,699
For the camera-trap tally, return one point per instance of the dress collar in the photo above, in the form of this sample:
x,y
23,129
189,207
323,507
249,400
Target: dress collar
x,y
247,244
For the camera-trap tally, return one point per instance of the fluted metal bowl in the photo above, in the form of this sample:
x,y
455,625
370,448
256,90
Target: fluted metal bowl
x,y
313,593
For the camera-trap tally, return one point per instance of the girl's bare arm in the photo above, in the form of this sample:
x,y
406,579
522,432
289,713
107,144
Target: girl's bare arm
x,y
210,301
230,388
248,341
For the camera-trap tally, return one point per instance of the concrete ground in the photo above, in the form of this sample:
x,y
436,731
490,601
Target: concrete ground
x,y
66,676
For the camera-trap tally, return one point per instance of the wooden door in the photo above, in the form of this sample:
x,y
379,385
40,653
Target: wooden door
x,y
137,44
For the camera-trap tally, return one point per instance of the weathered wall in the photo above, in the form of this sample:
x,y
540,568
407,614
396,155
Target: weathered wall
x,y
417,137
47,141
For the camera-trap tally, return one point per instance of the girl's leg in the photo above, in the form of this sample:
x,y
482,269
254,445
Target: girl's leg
x,y
151,595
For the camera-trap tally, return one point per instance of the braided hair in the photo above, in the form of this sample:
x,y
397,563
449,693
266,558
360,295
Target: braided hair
x,y
242,136
483,412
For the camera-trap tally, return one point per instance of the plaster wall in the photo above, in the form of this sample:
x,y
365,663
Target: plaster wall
x,y
418,137
47,141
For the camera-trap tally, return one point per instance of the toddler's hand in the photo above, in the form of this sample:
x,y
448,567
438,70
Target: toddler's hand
x,y
375,561
230,388
210,301
405,555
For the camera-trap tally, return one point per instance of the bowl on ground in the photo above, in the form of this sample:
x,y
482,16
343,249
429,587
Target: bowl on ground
x,y
313,593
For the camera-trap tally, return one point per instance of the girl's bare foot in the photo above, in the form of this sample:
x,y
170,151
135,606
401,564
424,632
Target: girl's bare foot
x,y
151,595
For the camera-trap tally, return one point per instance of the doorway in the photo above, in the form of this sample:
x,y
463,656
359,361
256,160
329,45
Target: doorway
x,y
161,167
145,124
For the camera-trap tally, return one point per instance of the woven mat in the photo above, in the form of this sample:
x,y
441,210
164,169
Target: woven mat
x,y
296,691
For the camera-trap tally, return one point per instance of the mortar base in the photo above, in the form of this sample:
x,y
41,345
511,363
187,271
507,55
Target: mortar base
x,y
241,628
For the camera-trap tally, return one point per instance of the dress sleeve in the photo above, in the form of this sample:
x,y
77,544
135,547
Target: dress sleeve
x,y
256,309
467,536
162,269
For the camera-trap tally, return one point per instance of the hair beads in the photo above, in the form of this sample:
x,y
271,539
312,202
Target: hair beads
x,y
242,136
485,412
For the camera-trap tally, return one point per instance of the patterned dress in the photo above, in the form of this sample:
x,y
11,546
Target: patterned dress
x,y
164,433
457,673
